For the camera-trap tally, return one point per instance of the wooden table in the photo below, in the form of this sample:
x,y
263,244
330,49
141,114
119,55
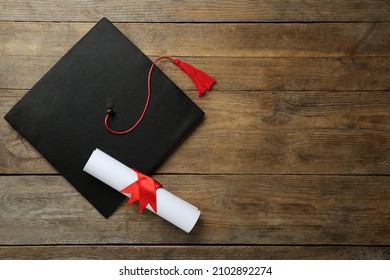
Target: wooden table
x,y
291,162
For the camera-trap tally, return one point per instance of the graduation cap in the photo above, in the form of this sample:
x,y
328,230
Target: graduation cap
x,y
70,112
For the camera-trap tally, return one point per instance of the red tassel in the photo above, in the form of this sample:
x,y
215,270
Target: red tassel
x,y
202,80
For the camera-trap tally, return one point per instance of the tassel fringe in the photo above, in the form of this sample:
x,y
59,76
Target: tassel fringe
x,y
202,80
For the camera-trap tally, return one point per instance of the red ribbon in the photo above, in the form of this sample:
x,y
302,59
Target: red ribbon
x,y
143,190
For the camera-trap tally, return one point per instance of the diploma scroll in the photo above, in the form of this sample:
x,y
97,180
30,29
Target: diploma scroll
x,y
118,176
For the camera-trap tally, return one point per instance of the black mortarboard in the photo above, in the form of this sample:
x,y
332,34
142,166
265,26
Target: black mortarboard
x,y
62,115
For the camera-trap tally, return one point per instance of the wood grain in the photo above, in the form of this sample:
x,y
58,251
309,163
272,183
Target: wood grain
x,y
196,11
347,73
258,133
236,209
217,40
358,61
158,252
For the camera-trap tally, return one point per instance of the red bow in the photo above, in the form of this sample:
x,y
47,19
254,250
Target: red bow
x,y
143,190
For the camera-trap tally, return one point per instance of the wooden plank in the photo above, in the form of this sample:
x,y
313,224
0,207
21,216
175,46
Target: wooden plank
x,y
346,73
218,40
258,133
156,252
236,209
196,11
244,67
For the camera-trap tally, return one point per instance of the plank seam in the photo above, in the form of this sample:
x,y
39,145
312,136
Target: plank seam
x,y
195,245
200,22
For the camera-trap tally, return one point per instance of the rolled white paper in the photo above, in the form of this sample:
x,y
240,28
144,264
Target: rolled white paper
x,y
118,176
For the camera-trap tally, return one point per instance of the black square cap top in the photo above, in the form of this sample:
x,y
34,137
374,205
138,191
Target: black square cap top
x,y
62,115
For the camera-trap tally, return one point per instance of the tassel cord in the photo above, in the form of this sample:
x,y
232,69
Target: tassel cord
x,y
202,81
